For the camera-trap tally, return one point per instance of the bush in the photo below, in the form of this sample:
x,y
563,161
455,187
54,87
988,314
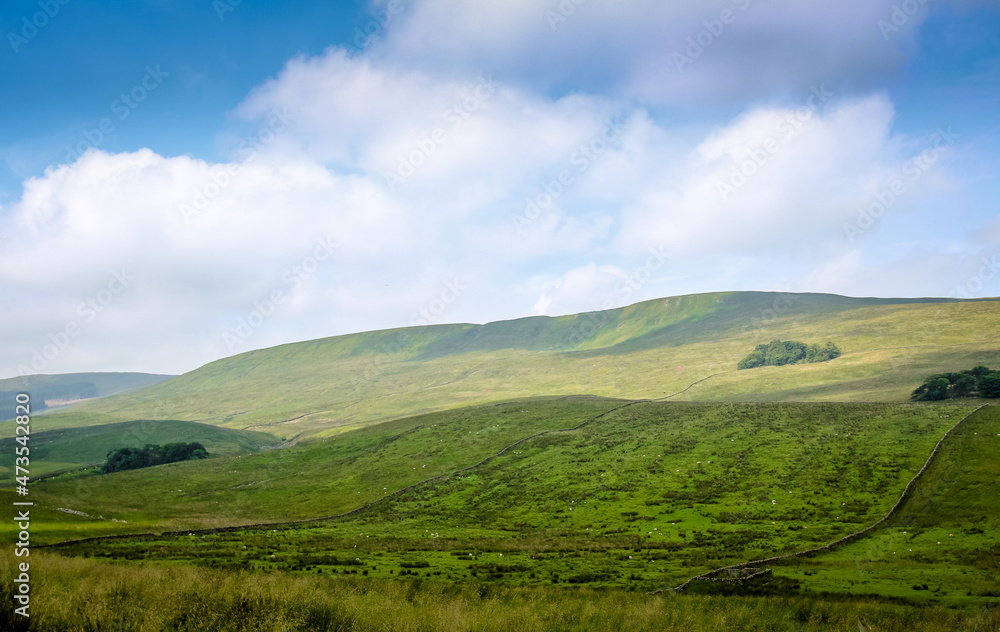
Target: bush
x,y
135,458
978,382
778,353
989,385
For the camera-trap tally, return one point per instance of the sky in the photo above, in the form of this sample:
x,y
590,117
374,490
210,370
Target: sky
x,y
182,181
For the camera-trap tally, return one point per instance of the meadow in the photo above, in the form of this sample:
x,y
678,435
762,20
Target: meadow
x,y
645,351
453,478
639,499
87,595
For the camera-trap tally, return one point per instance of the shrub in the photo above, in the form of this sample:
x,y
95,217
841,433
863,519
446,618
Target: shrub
x,y
135,458
980,381
778,353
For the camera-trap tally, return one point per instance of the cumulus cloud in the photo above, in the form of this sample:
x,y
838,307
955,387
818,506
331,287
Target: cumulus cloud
x,y
784,180
433,177
676,53
578,289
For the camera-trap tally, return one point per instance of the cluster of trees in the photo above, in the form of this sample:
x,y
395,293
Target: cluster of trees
x,y
135,458
778,353
978,382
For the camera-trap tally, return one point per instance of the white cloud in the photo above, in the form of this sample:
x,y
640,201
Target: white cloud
x,y
633,48
779,181
419,134
607,193
919,272
581,289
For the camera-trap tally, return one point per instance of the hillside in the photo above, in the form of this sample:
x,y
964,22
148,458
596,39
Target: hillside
x,y
54,391
70,448
645,496
647,350
943,545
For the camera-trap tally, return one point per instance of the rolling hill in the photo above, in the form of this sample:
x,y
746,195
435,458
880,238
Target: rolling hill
x,y
615,452
71,448
647,350
639,495
54,391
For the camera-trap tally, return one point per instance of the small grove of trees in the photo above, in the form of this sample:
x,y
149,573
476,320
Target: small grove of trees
x,y
135,458
978,382
778,353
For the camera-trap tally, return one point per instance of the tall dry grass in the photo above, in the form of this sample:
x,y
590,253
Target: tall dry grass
x,y
86,595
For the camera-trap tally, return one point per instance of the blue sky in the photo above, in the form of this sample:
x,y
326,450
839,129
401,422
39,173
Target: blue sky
x,y
198,179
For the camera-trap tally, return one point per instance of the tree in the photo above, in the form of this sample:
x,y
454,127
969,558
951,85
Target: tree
x,y
778,353
981,381
989,385
964,385
938,389
757,357
150,455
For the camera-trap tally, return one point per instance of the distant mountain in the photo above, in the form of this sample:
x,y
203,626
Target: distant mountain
x,y
648,350
51,391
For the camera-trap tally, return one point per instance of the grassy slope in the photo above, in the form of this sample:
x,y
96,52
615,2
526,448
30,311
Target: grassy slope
x,y
303,481
70,386
646,350
57,450
604,504
943,545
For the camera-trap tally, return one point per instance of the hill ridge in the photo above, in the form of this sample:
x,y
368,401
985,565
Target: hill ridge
x,y
325,386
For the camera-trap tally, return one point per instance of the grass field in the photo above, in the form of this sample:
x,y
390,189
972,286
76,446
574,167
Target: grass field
x,y
641,498
84,595
647,350
943,545
73,448
453,478
303,481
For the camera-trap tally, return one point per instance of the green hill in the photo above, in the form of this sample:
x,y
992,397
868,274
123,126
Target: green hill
x,y
54,391
70,448
451,464
944,543
633,494
646,350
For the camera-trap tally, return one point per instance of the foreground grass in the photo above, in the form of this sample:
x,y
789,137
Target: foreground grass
x,y
79,595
